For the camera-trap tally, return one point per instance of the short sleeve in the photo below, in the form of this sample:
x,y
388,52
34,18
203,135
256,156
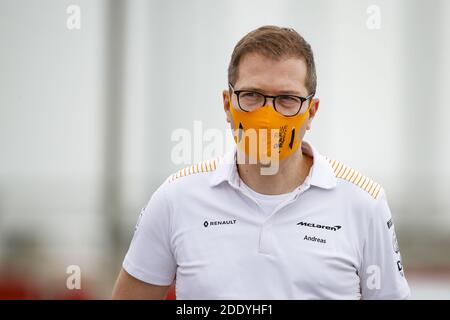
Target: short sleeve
x,y
382,275
149,257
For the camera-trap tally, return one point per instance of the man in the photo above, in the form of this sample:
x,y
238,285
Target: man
x,y
274,219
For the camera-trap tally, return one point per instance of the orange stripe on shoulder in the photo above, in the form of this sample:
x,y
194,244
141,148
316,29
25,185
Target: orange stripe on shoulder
x,y
201,167
347,173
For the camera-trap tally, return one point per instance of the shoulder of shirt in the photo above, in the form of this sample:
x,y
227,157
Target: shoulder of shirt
x,y
357,180
202,168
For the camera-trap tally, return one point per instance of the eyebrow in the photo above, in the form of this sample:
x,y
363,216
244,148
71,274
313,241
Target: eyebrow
x,y
287,92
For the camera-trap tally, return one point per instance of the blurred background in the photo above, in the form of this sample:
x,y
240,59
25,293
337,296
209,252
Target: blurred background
x,y
91,93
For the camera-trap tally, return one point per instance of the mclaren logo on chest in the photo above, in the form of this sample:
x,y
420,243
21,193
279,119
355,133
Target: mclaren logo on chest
x,y
319,226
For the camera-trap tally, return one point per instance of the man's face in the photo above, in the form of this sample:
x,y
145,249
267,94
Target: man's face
x,y
271,77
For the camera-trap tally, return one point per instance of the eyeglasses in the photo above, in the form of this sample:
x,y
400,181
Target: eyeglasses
x,y
287,105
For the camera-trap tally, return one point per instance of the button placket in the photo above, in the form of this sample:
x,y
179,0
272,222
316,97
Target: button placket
x,y
266,235
266,239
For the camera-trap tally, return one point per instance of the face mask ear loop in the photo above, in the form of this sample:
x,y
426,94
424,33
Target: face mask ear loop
x,y
310,105
291,143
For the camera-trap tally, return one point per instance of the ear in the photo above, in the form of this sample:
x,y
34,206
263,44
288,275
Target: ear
x,y
312,112
226,104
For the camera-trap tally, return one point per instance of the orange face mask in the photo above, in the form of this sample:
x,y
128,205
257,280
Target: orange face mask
x,y
266,135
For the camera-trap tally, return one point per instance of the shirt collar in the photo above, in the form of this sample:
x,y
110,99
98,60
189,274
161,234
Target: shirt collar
x,y
321,174
226,169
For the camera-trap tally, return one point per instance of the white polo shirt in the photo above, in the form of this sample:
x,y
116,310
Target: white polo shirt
x,y
333,238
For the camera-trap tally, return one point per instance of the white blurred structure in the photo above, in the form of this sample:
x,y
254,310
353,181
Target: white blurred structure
x,y
86,116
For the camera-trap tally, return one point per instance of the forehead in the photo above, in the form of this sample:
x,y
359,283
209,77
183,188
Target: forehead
x,y
272,76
